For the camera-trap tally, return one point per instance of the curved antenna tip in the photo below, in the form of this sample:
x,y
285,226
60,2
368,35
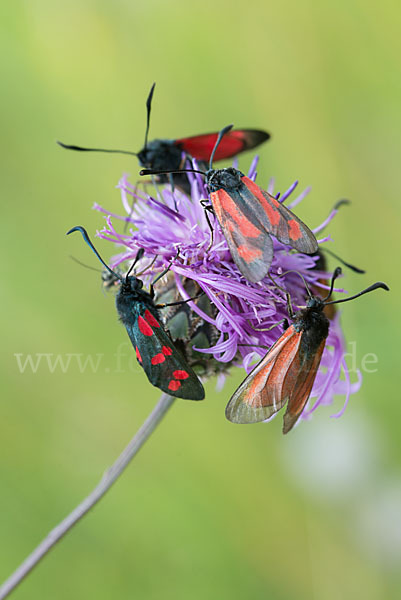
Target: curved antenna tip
x,y
219,138
78,228
227,129
86,237
371,288
149,98
67,146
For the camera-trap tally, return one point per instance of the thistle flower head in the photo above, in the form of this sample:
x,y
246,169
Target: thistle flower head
x,y
174,229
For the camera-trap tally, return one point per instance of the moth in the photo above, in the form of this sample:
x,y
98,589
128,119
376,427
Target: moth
x,y
288,371
164,365
170,155
249,216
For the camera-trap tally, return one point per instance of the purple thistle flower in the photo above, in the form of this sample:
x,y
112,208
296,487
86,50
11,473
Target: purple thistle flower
x,y
172,228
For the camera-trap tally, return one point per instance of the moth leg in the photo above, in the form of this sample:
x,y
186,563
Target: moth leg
x,y
283,321
155,183
208,209
180,301
171,181
206,206
289,306
162,274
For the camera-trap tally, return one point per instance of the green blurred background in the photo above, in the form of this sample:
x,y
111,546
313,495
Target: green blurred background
x,y
207,509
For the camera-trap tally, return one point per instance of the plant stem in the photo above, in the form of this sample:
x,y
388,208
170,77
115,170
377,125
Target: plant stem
x,y
109,477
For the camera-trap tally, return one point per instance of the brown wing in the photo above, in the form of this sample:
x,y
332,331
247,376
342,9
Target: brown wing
x,y
299,385
280,221
261,394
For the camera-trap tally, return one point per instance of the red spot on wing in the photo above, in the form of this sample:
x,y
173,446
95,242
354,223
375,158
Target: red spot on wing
x,y
249,254
151,319
273,214
167,351
144,327
223,203
138,355
295,230
180,374
157,359
174,385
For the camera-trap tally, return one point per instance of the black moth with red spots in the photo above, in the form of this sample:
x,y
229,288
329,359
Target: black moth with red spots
x,y
163,364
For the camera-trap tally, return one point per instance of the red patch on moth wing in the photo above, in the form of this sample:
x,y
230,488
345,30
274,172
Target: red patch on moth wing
x,y
144,327
138,355
180,374
273,214
174,385
295,230
222,202
167,351
201,146
249,254
253,396
157,359
150,319
282,350
230,226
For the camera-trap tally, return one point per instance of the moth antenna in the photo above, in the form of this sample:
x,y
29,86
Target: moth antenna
x,y
85,235
297,273
167,269
146,268
276,284
84,265
219,138
138,256
153,172
82,149
336,274
371,288
148,109
346,264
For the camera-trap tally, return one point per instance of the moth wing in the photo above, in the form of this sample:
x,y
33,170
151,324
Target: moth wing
x,y
232,143
163,364
250,244
278,219
299,391
260,395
